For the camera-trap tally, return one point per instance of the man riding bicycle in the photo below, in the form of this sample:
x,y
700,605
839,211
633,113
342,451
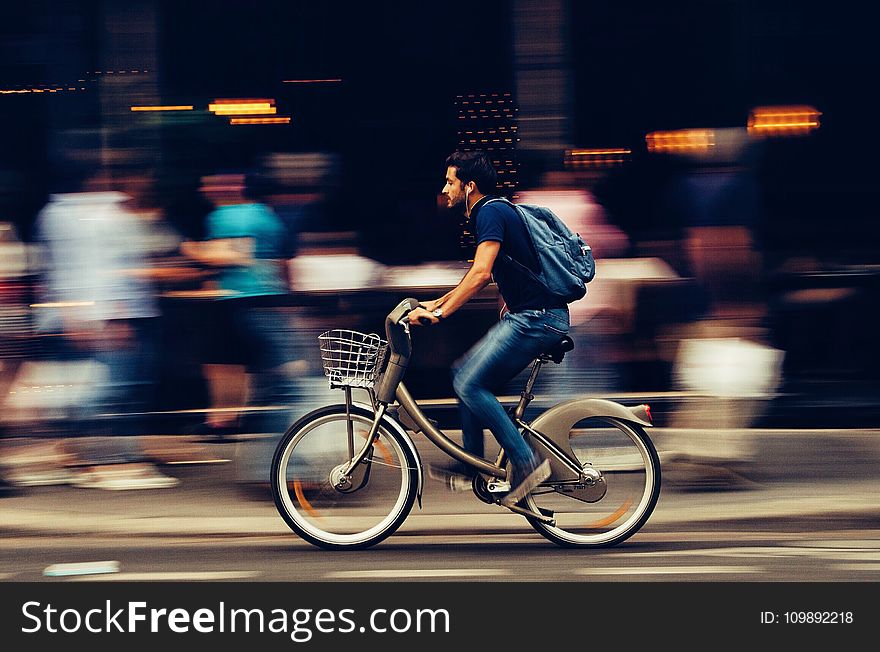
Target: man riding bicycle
x,y
532,320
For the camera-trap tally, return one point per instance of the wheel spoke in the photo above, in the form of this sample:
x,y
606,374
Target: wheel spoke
x,y
614,516
301,499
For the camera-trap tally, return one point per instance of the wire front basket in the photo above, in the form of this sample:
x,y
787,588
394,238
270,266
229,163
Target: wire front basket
x,y
351,358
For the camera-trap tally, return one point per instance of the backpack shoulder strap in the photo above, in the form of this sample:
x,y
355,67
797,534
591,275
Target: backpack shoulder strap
x,y
504,200
523,268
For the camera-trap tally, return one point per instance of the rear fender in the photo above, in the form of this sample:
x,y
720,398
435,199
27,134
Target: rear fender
x,y
557,422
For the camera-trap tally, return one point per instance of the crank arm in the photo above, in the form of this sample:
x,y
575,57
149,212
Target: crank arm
x,y
547,518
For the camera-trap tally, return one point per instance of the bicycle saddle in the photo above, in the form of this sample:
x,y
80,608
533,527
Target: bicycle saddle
x,y
558,350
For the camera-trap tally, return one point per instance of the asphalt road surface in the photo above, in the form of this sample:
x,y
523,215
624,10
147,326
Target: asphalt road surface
x,y
794,551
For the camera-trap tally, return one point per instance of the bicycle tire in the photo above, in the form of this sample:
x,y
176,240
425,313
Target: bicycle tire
x,y
306,498
627,458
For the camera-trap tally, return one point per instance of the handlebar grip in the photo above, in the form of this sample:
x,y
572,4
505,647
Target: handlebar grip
x,y
400,347
424,320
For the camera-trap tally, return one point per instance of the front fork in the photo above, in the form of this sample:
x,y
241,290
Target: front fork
x,y
352,475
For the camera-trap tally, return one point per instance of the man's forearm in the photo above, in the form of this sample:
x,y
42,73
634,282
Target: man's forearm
x,y
474,281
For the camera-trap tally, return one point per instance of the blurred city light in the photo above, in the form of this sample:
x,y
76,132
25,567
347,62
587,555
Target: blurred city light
x,y
596,158
242,107
681,140
783,120
19,91
260,121
171,107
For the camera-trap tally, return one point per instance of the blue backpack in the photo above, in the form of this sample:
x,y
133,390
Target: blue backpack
x,y
566,261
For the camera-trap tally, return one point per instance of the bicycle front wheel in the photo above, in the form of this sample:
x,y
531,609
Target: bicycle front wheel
x,y
305,479
623,462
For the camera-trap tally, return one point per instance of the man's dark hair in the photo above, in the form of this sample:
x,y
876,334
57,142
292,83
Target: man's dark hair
x,y
476,167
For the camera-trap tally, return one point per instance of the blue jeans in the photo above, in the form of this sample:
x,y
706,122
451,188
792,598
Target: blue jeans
x,y
507,349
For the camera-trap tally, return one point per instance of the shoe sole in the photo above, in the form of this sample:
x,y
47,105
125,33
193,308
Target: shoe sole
x,y
453,481
525,487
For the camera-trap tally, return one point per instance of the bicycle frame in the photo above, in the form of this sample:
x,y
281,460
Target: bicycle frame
x,y
555,422
391,386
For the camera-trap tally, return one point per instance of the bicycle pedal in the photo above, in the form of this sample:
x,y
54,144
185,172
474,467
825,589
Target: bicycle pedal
x,y
498,486
547,519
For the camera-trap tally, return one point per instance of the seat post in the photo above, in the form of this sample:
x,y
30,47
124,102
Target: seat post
x,y
526,395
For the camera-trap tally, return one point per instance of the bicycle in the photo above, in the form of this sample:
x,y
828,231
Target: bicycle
x,y
346,476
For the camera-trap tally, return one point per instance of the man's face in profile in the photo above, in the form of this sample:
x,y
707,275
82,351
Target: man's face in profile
x,y
454,189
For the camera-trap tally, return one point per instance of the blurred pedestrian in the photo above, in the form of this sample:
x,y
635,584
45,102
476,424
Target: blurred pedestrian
x,y
98,308
244,243
590,368
724,359
15,325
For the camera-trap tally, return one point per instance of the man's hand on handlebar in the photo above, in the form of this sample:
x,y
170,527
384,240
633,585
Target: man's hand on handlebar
x,y
420,316
430,306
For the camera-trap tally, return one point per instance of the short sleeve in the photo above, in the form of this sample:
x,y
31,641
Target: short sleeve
x,y
221,224
490,223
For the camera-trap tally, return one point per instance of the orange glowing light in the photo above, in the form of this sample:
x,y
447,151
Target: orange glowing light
x,y
170,107
680,141
598,152
783,120
242,107
280,120
598,157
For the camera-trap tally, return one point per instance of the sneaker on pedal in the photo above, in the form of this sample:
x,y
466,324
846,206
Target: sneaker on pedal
x,y
459,483
524,481
456,477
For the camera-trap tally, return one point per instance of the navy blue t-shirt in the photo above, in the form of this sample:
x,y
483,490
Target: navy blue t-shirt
x,y
500,222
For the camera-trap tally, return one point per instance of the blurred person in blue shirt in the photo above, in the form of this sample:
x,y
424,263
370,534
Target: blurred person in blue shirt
x,y
244,244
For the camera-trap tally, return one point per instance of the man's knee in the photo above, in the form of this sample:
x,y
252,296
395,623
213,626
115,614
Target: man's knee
x,y
462,383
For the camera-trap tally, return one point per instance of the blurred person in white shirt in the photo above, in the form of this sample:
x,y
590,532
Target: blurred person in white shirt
x,y
98,305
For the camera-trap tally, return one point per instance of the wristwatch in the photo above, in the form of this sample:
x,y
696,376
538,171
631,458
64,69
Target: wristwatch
x,y
438,313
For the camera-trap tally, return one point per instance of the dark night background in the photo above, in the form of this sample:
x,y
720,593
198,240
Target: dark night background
x,y
636,67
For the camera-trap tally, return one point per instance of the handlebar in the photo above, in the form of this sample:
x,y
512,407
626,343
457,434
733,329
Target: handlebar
x,y
400,348
398,315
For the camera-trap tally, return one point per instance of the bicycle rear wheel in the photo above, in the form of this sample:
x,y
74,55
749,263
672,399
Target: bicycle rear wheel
x,y
624,461
378,500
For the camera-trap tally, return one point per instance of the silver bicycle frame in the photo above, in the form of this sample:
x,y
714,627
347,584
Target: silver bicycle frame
x,y
548,433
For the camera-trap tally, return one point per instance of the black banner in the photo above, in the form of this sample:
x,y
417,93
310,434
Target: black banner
x,y
281,616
